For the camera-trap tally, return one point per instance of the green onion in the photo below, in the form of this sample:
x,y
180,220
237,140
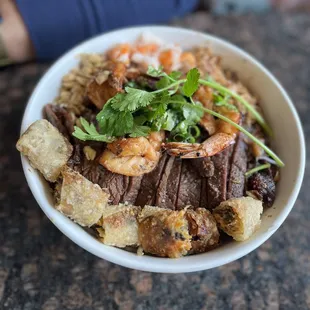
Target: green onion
x,y
256,169
194,131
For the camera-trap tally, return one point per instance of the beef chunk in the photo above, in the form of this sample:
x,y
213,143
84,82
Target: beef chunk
x,y
262,185
236,181
102,88
60,118
149,184
217,183
190,186
166,195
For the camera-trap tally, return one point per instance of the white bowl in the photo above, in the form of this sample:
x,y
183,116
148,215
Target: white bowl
x,y
278,109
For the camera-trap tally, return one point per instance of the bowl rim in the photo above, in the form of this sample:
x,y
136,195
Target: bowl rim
x,y
157,264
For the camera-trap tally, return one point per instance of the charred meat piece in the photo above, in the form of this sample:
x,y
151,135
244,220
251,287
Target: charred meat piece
x,y
189,187
163,232
203,230
167,192
60,118
217,184
262,185
106,85
236,181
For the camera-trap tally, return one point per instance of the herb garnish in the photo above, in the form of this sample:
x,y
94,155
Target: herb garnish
x,y
256,169
170,107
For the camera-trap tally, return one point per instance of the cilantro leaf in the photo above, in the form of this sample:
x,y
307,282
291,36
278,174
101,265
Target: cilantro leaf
x,y
91,133
192,83
163,82
113,122
132,100
151,71
140,119
140,131
123,124
191,114
90,128
175,75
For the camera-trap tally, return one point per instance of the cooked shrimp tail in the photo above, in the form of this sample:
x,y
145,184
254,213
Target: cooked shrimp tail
x,y
133,156
209,147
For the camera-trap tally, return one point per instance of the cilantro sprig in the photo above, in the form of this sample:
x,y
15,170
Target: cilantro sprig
x,y
91,132
170,107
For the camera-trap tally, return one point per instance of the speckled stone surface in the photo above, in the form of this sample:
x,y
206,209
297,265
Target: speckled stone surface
x,y
40,268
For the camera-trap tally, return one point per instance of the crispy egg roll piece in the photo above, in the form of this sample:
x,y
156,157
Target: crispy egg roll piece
x,y
46,148
80,199
203,230
239,217
119,225
164,232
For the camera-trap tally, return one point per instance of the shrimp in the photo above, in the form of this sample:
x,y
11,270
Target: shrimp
x,y
188,61
120,53
133,156
204,94
224,136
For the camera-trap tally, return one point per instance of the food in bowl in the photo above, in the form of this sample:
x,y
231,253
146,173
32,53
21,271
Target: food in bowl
x,y
156,148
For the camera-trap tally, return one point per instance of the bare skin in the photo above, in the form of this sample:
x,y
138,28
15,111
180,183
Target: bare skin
x,y
14,33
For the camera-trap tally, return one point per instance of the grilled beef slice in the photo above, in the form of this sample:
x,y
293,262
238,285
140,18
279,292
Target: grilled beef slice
x,y
217,183
115,183
132,190
190,186
236,180
167,191
205,168
149,184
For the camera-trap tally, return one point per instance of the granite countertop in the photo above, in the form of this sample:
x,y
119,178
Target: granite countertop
x,y
40,268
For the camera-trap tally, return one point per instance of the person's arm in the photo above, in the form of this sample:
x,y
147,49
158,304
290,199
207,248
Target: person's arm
x,y
55,26
15,41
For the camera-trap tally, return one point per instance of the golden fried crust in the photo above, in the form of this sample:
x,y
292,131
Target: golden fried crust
x,y
47,149
239,217
80,199
203,230
164,232
100,90
119,226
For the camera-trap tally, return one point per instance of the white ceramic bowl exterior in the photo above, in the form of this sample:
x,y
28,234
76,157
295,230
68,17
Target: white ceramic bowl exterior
x,y
277,107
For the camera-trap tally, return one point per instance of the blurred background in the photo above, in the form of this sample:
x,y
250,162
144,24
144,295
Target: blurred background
x,y
39,267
